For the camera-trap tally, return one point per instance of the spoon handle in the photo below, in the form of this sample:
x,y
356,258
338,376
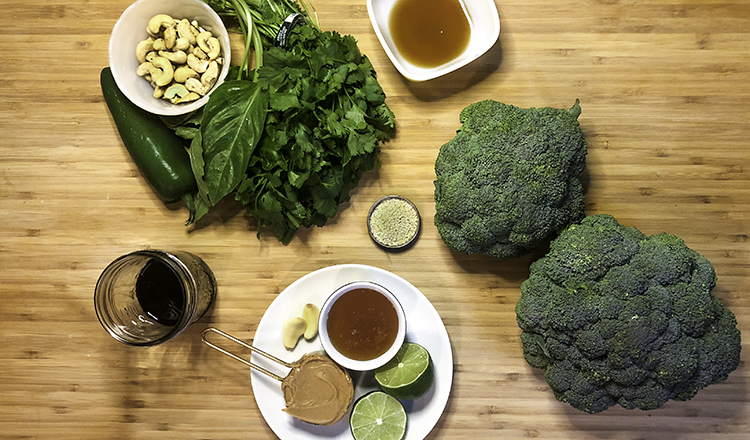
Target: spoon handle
x,y
246,345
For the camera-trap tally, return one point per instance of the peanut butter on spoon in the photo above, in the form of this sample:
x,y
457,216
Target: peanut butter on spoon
x,y
316,390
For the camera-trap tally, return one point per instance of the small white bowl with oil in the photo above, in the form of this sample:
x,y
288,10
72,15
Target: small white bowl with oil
x,y
425,39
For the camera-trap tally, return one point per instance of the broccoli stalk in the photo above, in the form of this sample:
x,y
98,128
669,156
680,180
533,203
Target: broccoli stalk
x,y
508,181
617,317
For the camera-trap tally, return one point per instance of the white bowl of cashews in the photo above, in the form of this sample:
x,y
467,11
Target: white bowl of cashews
x,y
167,56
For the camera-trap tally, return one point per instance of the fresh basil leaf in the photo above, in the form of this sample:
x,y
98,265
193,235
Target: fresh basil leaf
x,y
197,164
198,204
233,121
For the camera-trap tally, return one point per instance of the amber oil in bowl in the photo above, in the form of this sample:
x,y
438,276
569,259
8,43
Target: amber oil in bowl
x,y
429,33
362,325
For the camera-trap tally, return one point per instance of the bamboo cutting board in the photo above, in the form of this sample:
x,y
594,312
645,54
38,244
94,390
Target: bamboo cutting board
x,y
664,87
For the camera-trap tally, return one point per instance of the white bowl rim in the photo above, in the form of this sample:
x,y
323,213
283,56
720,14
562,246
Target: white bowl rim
x,y
344,361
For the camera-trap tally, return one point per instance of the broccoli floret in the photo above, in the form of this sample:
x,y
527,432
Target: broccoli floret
x,y
508,181
617,317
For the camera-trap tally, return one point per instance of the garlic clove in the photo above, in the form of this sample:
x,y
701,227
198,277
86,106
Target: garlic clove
x,y
293,329
310,314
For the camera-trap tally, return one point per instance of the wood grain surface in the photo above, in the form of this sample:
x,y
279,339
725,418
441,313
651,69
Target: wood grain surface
x,y
665,92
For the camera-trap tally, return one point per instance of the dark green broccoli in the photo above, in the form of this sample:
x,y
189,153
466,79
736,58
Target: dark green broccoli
x,y
508,181
618,317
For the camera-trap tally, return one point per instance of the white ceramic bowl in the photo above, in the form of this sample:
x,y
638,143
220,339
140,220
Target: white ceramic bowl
x,y
130,30
341,359
485,30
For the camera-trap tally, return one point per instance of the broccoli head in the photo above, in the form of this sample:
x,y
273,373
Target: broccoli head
x,y
617,317
508,181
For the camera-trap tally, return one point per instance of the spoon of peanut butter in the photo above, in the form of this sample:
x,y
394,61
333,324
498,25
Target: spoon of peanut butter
x,y
316,389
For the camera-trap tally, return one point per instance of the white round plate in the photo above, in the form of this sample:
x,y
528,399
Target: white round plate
x,y
424,327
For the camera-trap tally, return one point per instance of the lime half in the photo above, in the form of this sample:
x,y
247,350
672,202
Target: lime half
x,y
409,374
378,416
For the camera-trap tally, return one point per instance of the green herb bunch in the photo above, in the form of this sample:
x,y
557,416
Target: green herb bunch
x,y
291,137
326,120
259,21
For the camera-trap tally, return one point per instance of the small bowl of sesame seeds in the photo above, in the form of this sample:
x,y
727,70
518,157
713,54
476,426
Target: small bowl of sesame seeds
x,y
394,223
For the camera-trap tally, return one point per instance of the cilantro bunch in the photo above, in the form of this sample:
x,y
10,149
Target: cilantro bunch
x,y
291,137
326,120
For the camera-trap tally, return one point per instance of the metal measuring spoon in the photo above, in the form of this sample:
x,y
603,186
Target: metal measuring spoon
x,y
316,389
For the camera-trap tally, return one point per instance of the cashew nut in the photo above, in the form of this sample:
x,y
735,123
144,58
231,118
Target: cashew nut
x,y
203,41
143,48
190,97
158,92
183,73
148,71
197,27
185,30
195,85
178,57
198,52
176,90
196,64
181,44
159,44
167,71
208,79
293,329
170,36
177,93
159,21
310,314
215,48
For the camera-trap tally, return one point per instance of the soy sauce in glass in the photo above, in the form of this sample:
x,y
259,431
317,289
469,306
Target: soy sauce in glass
x,y
149,296
159,292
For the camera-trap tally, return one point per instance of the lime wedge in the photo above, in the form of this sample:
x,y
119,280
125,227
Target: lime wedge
x,y
409,374
378,416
